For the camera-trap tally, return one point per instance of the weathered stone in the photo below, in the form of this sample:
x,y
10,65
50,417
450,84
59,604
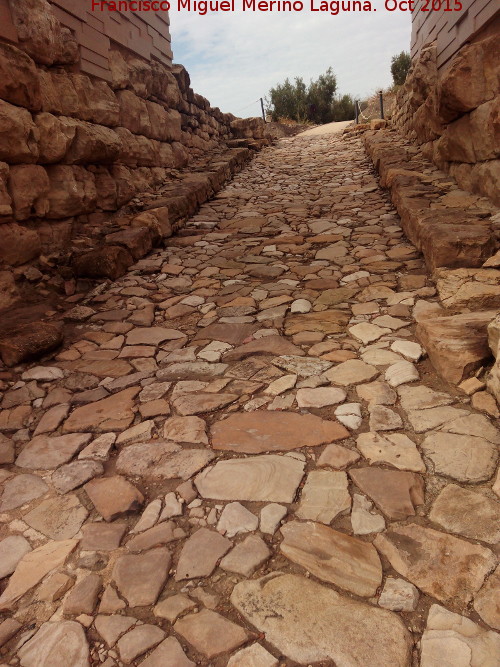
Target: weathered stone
x,y
200,554
169,652
439,564
112,413
33,567
363,519
309,623
398,595
152,335
252,656
467,513
269,431
112,627
18,135
466,458
395,449
112,496
304,367
319,397
401,373
21,489
82,598
367,333
140,578
107,262
139,640
270,517
173,606
29,341
333,556
193,404
326,321
457,344
384,419
163,533
246,556
268,478
395,492
102,536
460,639
324,496
236,519
353,371
46,453
58,518
487,601
12,549
56,645
211,633
8,629
72,475
476,289
275,345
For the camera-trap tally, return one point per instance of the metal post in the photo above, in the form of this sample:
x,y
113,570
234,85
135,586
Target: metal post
x,y
381,100
356,110
262,107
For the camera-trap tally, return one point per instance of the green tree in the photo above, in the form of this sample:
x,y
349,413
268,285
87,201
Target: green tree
x,y
343,108
299,102
400,66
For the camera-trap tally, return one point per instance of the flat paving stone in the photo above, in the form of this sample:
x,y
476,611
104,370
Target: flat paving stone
x,y
56,644
332,556
46,453
396,493
200,554
308,622
324,496
58,518
21,489
112,496
267,478
465,512
264,432
465,458
140,578
395,449
210,633
437,563
12,549
169,652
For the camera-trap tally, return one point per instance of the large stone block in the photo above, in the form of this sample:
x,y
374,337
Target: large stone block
x,y
165,86
5,199
19,82
30,341
19,244
55,235
93,144
485,177
40,33
119,70
136,150
456,143
485,130
457,345
58,93
29,186
97,102
471,79
8,290
107,262
18,135
133,113
56,133
125,183
72,191
106,189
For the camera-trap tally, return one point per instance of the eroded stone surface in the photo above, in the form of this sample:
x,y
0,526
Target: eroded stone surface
x,y
308,622
333,556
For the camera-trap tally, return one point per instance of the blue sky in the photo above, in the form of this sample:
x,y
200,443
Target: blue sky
x,y
235,58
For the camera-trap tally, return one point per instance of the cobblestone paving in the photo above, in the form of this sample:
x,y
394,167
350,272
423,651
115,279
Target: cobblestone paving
x,y
245,458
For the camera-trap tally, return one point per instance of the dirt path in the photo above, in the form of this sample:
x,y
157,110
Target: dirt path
x,y
246,458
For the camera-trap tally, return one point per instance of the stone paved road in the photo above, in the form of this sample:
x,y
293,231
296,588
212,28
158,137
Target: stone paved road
x,y
245,458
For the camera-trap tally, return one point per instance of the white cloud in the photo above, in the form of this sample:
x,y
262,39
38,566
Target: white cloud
x,y
235,58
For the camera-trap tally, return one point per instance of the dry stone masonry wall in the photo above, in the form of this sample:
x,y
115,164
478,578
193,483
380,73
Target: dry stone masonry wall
x,y
453,113
76,148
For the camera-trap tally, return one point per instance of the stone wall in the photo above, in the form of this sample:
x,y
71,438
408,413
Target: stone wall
x,y
453,113
74,148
